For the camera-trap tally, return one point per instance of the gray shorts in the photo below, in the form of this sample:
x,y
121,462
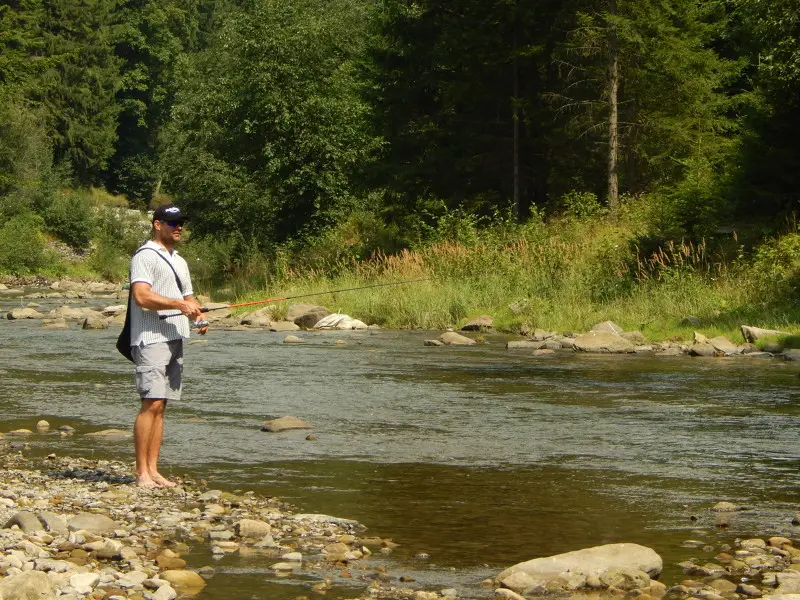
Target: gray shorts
x,y
158,370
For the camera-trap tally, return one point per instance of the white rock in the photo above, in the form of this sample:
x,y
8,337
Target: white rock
x,y
84,583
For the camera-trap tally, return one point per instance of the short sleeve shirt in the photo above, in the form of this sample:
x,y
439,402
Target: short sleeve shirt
x,y
148,266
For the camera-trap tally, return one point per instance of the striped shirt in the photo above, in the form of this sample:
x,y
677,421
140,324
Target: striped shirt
x,y
147,267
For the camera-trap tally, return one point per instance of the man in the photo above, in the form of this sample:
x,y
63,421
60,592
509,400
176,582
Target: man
x,y
160,281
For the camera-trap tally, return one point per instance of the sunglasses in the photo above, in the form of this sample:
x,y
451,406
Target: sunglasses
x,y
174,224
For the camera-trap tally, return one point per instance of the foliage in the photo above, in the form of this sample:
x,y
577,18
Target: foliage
x,y
69,217
22,245
151,36
117,235
269,125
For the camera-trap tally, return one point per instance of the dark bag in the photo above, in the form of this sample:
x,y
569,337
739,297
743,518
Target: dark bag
x,y
124,339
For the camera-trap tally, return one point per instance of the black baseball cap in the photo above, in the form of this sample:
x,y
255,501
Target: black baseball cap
x,y
168,212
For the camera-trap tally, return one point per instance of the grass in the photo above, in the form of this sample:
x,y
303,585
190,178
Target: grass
x,y
567,276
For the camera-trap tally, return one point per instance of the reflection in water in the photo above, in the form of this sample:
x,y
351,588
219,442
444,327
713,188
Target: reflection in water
x,y
479,457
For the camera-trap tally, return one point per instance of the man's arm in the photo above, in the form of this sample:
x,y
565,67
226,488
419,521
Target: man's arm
x,y
145,297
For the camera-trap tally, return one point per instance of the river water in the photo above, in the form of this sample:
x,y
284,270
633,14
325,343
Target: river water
x,y
479,457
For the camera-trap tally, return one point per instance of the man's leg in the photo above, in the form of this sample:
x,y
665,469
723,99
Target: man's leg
x,y
155,448
148,431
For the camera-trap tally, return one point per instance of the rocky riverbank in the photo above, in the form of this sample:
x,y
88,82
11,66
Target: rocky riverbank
x,y
74,528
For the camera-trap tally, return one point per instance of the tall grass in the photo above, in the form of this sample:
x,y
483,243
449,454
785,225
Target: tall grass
x,y
568,275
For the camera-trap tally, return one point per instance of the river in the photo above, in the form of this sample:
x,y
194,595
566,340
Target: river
x,y
479,457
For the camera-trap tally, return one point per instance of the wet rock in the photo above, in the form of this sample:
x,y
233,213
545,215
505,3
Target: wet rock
x,y
479,324
791,355
455,339
432,343
54,324
703,349
571,569
285,424
23,313
670,352
95,322
252,528
293,339
283,326
725,507
113,311
723,586
603,342
183,578
751,591
111,434
524,345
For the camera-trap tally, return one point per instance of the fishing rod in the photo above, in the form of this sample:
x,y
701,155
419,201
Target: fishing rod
x,y
206,309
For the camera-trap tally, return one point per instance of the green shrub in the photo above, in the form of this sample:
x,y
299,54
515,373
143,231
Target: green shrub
x,y
117,235
22,245
581,205
70,217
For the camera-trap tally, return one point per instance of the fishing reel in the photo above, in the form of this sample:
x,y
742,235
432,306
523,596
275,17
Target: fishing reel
x,y
199,324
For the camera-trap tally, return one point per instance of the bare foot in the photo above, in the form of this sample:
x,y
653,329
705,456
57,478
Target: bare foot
x,y
159,479
145,482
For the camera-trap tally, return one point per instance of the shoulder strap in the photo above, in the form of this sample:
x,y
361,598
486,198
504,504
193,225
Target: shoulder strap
x,y
169,264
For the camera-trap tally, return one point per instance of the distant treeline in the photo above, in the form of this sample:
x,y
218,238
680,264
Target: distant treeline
x,y
272,121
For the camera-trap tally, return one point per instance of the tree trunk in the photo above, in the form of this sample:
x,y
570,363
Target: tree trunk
x,y
515,117
613,118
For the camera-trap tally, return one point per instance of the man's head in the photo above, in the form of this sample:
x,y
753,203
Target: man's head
x,y
168,224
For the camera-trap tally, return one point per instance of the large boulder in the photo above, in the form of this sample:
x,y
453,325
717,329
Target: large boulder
x,y
218,312
93,523
607,327
724,345
603,342
570,570
753,334
259,318
479,323
95,321
23,313
26,521
183,578
306,315
455,339
339,321
71,313
28,585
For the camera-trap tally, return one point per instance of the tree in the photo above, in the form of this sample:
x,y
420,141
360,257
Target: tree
x,y
269,125
150,35
77,88
646,73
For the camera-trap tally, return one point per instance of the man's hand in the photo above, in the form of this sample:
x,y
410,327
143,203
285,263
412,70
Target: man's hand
x,y
202,330
189,307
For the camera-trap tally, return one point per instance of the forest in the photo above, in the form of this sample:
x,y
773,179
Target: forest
x,y
316,135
